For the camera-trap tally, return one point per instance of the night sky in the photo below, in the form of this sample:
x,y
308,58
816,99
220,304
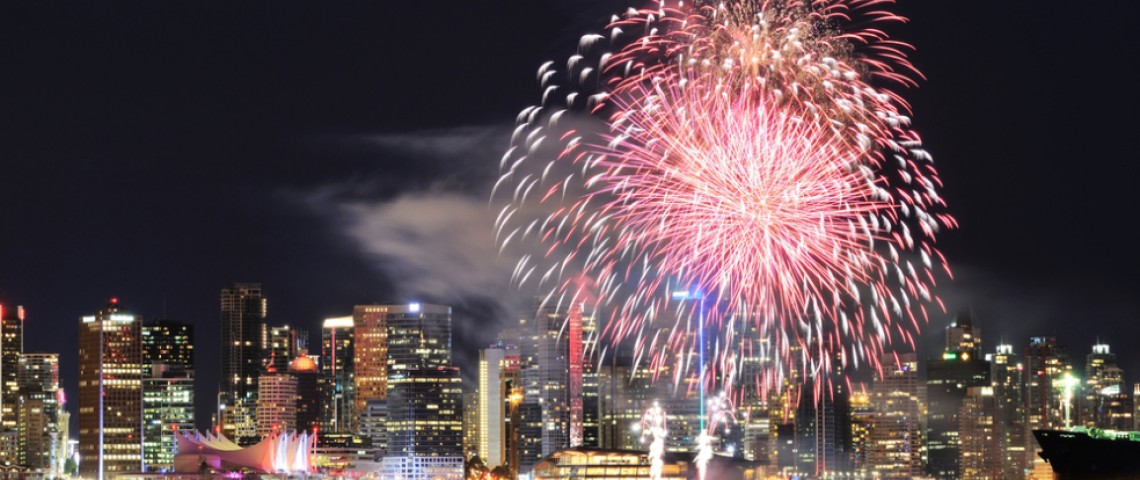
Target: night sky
x,y
340,155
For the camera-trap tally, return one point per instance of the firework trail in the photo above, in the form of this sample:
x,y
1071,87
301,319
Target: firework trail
x,y
721,415
752,152
654,426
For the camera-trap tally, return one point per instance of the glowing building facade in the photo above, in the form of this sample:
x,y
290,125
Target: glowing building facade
x,y
552,368
337,377
1046,363
167,389
276,403
169,342
981,451
11,347
1104,401
425,421
110,392
491,406
244,308
280,345
370,355
1009,395
425,425
308,399
168,409
896,448
39,409
959,367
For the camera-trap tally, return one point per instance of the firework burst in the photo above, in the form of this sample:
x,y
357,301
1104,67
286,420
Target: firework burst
x,y
753,153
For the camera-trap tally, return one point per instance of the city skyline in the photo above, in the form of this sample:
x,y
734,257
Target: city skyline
x,y
327,161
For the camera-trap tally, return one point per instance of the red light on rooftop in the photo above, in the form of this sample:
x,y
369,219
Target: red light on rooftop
x,y
114,300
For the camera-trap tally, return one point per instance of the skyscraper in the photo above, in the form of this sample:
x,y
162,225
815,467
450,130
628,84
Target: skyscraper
x,y
40,406
491,406
1100,395
308,392
591,383
11,346
959,367
244,309
552,372
896,447
169,342
1008,386
1046,362
823,429
471,411
419,336
374,424
168,409
370,324
425,421
276,403
425,425
110,392
337,378
980,446
167,390
280,345
862,424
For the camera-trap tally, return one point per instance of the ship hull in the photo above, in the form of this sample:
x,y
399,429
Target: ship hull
x,y
1077,456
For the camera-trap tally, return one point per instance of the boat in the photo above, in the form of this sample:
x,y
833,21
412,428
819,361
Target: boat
x,y
1090,453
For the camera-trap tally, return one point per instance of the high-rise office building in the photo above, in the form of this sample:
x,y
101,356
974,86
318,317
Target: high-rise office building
x,y
1117,409
305,370
168,410
39,409
1047,364
276,403
964,337
1103,383
110,392
425,425
1008,390
552,372
470,408
980,441
896,448
337,377
11,346
959,367
823,430
591,384
244,308
491,405
168,342
280,345
862,424
370,361
425,395
374,424
419,336
167,390
512,398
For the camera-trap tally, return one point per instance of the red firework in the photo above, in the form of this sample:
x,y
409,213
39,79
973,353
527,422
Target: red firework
x,y
751,152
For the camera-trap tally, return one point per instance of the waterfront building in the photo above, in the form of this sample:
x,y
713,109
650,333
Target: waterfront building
x,y
110,392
